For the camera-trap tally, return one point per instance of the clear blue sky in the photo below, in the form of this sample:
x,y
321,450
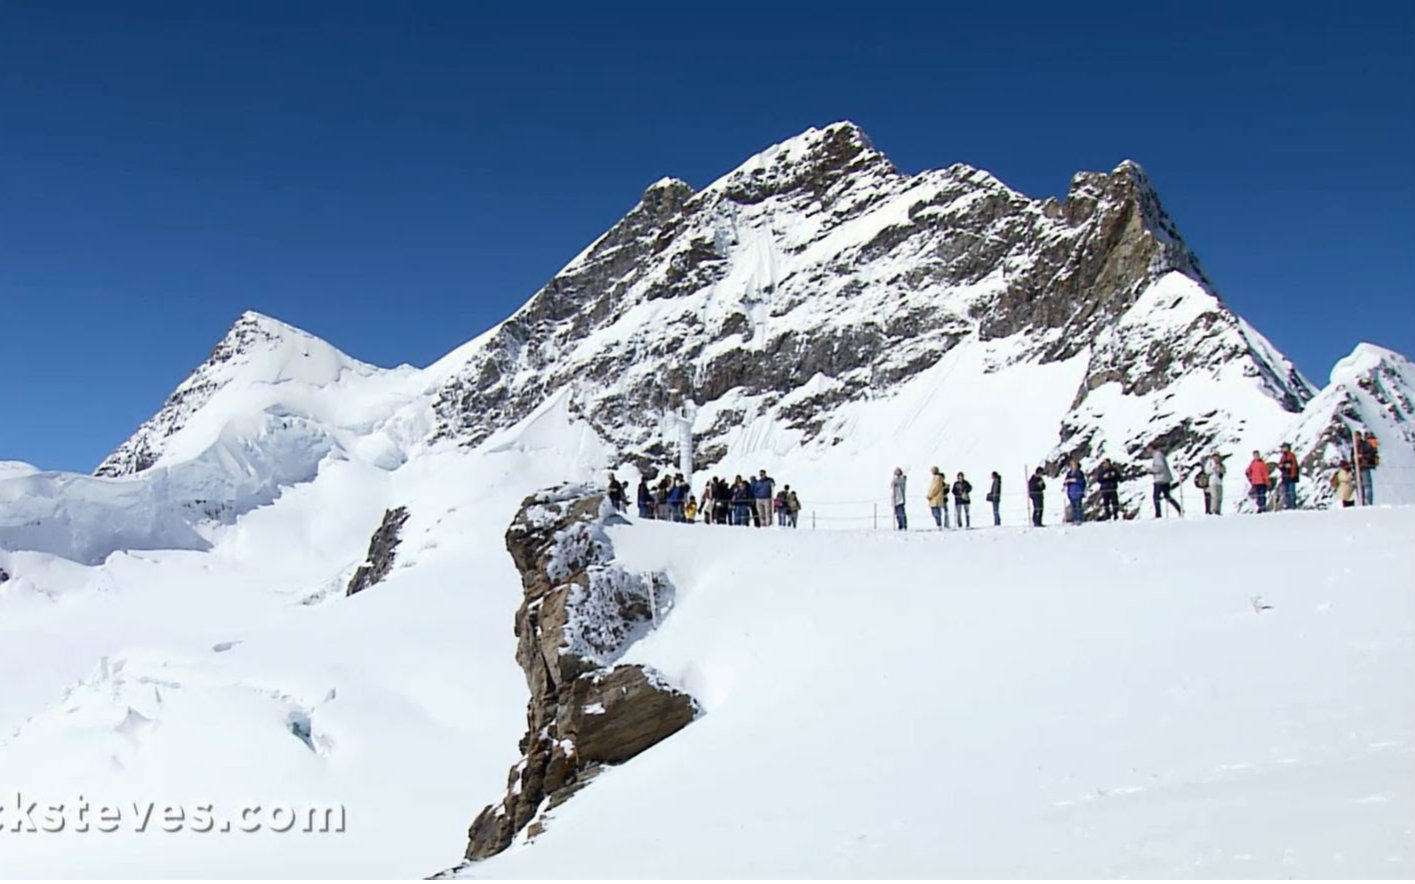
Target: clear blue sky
x,y
396,177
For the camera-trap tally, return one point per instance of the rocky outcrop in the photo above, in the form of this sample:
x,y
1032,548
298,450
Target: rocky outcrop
x,y
580,611
381,549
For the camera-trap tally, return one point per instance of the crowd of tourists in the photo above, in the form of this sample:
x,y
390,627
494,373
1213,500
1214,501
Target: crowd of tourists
x,y
756,502
759,502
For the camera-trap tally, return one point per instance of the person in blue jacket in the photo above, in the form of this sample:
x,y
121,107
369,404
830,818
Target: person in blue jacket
x,y
1076,491
676,498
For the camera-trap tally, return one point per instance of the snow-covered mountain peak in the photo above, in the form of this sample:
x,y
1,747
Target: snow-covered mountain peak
x,y
1366,359
256,351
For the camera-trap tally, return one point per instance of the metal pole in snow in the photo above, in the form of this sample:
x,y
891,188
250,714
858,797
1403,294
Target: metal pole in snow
x,y
876,515
813,520
653,599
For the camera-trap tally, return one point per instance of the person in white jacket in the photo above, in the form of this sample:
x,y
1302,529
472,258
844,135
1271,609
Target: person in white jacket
x,y
1214,467
1164,480
896,497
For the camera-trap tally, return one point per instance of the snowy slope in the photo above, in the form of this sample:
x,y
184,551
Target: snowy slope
x,y
1064,703
178,676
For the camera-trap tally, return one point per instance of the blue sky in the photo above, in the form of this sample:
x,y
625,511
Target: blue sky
x,y
397,177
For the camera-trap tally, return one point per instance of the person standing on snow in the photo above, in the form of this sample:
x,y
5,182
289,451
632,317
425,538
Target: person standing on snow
x,y
616,494
793,507
1258,480
995,498
1343,483
1289,470
896,499
1368,457
962,498
938,499
1164,480
1214,467
1036,490
1076,492
763,488
645,499
1108,480
741,502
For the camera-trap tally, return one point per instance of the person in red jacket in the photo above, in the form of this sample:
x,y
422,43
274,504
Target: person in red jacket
x,y
1259,478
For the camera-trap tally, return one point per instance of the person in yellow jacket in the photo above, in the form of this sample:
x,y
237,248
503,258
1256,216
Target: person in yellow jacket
x,y
690,510
1344,484
938,498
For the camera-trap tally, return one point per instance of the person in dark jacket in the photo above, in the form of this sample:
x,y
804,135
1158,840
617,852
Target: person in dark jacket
x,y
1036,490
962,497
616,494
995,498
645,500
793,507
1108,480
1076,492
721,501
1290,471
742,504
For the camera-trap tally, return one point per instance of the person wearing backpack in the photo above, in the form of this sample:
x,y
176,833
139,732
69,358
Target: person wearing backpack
x,y
1108,480
1036,493
995,498
1368,457
793,507
1289,470
938,499
1214,492
1201,482
962,489
1258,480
1076,492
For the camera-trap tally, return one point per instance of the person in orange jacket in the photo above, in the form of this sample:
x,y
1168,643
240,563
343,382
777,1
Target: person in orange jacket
x,y
1259,478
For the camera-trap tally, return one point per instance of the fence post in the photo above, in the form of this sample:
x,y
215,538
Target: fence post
x,y
813,520
653,599
876,515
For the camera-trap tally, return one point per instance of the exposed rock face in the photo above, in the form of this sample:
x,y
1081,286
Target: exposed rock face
x,y
817,274
381,549
579,613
